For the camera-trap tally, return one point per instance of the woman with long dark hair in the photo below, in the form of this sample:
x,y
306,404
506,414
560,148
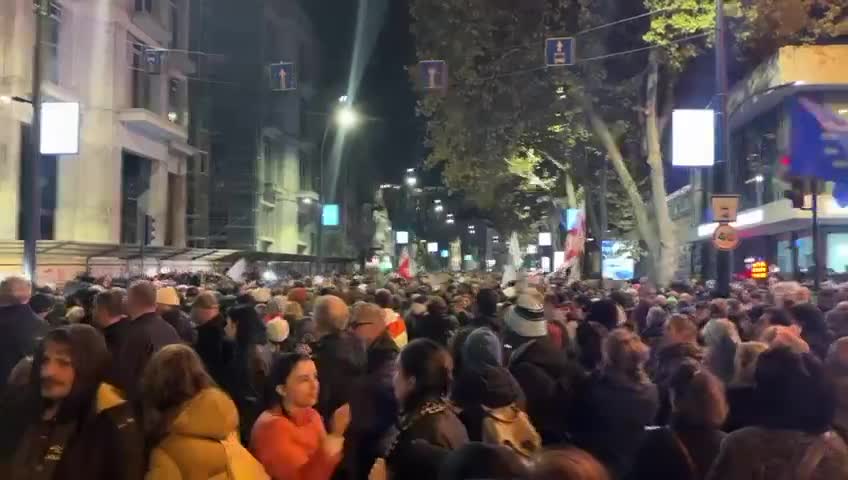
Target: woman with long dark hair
x,y
427,426
251,363
289,437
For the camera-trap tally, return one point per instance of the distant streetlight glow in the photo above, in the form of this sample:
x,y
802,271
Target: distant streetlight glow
x,y
346,117
450,221
411,181
440,208
343,99
307,201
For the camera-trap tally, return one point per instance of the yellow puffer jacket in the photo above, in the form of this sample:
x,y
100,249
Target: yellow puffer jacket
x,y
202,444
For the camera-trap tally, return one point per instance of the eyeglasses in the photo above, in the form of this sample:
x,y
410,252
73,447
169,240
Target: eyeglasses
x,y
356,325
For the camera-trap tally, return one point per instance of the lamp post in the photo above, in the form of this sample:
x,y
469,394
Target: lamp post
x,y
346,118
31,201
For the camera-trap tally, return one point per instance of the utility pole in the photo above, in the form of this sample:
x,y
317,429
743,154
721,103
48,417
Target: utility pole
x,y
31,171
724,259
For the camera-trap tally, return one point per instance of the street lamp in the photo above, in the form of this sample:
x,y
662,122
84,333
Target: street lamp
x,y
346,117
411,181
440,208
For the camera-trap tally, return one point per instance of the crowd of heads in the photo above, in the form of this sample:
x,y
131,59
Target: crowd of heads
x,y
595,375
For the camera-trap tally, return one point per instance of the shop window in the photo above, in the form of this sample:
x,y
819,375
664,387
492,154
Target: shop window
x,y
837,252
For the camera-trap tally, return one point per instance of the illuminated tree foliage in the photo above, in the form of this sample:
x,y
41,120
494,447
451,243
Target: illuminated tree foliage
x,y
508,129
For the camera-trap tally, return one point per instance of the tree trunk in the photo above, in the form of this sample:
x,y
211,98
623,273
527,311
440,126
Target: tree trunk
x,y
643,223
665,264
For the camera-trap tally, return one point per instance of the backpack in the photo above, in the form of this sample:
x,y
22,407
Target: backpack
x,y
510,427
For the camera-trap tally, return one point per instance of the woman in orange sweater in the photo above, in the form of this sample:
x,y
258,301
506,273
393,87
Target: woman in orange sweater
x,y
289,438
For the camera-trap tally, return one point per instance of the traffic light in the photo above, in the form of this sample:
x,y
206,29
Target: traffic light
x,y
149,229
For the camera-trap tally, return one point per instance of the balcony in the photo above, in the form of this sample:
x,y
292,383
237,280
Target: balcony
x,y
152,25
152,125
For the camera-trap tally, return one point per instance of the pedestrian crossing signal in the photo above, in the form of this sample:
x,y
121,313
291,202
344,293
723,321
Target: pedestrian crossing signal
x,y
283,76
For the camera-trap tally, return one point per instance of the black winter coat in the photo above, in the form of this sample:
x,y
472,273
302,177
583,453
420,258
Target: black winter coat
x,y
662,453
743,407
21,329
216,350
438,328
182,324
145,336
415,451
550,383
341,360
373,409
612,415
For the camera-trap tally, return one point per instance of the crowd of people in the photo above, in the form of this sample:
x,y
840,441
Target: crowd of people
x,y
348,378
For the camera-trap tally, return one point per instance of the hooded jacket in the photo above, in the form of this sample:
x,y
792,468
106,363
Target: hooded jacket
x,y
107,444
201,443
550,382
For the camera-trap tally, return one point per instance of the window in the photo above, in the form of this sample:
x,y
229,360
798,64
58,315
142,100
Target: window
x,y
51,42
176,101
135,182
175,23
144,6
141,91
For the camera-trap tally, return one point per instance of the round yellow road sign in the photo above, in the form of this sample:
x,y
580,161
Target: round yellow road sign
x,y
725,237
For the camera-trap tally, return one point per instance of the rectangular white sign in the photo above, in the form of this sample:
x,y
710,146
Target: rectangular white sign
x,y
693,138
60,128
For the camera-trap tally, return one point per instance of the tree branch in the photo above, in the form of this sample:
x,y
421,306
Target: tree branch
x,y
640,210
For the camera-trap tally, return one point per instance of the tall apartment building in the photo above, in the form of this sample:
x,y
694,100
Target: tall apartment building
x,y
255,175
134,147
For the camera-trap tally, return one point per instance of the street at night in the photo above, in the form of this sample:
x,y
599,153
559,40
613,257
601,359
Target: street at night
x,y
424,239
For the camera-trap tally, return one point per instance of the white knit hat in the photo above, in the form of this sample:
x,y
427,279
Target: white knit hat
x,y
278,330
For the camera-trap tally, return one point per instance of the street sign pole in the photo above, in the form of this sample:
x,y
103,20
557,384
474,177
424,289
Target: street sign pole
x,y
724,259
817,269
30,207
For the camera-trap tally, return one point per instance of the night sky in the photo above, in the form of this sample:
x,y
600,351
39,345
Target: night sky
x,y
391,139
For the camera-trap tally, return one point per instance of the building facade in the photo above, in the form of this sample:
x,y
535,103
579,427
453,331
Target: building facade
x,y
253,188
133,139
771,229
